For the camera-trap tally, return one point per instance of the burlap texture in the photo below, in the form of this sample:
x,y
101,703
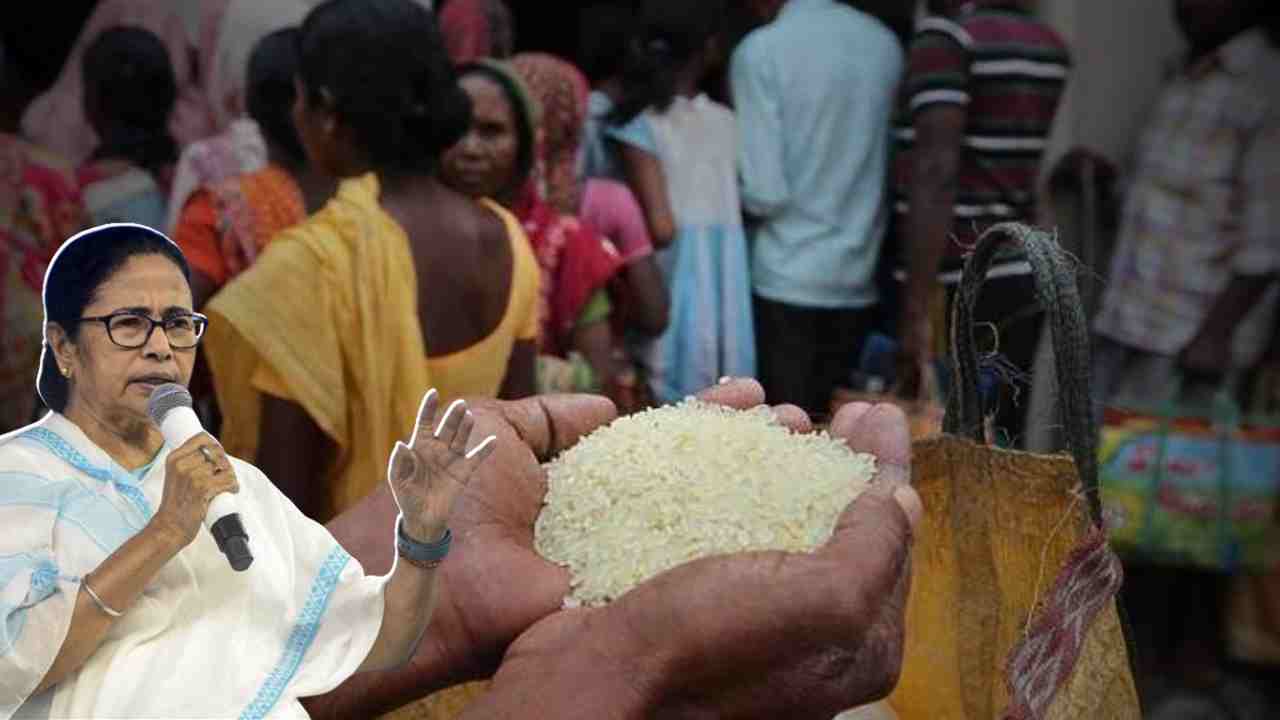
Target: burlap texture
x,y
998,530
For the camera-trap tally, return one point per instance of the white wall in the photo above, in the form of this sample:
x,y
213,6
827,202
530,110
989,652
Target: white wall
x,y
1122,51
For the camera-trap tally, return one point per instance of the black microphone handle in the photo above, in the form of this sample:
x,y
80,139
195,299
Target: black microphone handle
x,y
233,541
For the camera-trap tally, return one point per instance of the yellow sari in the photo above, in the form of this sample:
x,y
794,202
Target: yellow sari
x,y
327,317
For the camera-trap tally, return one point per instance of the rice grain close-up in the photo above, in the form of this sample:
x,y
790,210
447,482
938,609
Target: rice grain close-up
x,y
655,490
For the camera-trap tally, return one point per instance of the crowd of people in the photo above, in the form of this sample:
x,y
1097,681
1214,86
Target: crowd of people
x,y
368,214
645,239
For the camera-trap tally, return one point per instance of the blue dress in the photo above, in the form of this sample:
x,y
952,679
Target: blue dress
x,y
707,267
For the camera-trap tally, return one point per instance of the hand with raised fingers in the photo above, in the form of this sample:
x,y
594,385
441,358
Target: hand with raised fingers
x,y
429,473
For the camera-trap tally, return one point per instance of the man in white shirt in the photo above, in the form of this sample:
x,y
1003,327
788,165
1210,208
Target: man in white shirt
x,y
814,91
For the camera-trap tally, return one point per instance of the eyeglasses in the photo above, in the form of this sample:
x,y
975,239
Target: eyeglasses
x,y
133,330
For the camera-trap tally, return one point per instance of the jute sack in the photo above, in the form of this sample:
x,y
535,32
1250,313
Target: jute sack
x,y
1013,611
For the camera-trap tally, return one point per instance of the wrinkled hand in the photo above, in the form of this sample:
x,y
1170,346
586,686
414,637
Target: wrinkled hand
x,y
767,634
494,585
194,474
429,473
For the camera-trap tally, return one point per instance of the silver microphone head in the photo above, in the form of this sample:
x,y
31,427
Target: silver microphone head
x,y
166,398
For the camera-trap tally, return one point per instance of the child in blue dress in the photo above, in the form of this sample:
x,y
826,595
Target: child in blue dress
x,y
678,149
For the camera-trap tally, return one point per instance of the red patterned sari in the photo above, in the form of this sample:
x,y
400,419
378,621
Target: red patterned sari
x,y
39,209
226,224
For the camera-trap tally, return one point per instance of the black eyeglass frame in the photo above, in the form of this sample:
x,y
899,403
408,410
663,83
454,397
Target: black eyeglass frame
x,y
201,325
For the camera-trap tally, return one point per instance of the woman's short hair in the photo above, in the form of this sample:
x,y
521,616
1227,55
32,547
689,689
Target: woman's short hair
x,y
381,67
524,108
270,90
130,91
80,267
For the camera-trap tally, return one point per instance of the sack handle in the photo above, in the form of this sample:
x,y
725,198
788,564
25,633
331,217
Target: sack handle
x,y
1055,284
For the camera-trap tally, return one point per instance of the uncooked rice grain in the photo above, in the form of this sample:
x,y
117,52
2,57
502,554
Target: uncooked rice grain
x,y
660,488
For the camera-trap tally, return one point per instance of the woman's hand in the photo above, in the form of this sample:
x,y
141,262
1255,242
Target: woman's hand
x,y
429,473
494,585
426,477
194,474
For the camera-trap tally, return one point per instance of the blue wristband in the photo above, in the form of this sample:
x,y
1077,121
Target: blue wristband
x,y
425,555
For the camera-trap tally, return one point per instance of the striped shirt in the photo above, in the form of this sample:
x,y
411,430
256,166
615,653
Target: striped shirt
x,y
1009,71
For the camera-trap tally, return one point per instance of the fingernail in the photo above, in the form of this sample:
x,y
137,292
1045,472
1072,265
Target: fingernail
x,y
725,380
452,406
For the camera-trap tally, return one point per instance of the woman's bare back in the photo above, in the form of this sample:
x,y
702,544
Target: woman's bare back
x,y
463,260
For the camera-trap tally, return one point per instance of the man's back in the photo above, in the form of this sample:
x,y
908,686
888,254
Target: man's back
x,y
814,92
1009,70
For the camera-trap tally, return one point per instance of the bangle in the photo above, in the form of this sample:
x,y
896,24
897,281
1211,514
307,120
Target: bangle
x,y
419,554
84,583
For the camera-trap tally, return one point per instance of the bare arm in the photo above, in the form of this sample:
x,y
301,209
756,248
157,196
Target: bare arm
x,y
1241,296
1255,262
409,600
426,477
1209,353
934,174
595,342
119,580
647,181
644,296
190,482
520,381
613,210
295,453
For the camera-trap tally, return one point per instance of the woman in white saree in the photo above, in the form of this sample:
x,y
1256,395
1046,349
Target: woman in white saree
x,y
114,602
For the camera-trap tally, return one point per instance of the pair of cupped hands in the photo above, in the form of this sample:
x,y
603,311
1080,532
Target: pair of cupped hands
x,y
764,634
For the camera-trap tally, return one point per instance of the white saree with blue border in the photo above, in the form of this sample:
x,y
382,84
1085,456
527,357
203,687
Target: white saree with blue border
x,y
203,640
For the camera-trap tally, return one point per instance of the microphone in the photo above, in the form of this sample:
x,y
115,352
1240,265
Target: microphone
x,y
170,409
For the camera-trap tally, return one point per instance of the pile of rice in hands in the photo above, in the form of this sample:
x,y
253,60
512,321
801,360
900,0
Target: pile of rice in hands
x,y
655,490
